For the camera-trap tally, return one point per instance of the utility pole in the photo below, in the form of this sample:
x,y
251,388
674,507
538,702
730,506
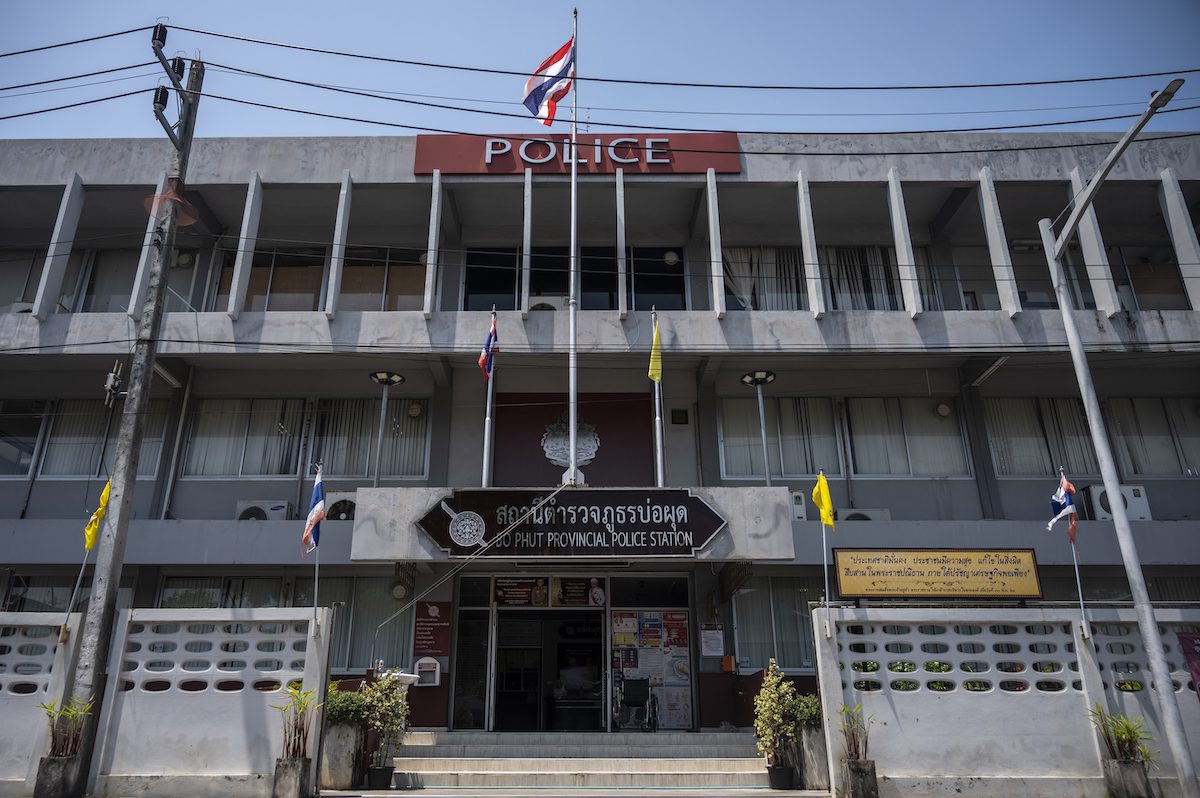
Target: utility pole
x,y
91,671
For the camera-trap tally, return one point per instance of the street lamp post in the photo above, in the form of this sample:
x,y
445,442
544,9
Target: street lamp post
x,y
387,379
1164,691
758,379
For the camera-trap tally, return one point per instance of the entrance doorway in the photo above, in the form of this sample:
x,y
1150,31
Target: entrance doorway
x,y
549,673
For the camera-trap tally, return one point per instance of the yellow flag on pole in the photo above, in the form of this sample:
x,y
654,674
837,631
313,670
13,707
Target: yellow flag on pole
x,y
92,530
655,370
824,503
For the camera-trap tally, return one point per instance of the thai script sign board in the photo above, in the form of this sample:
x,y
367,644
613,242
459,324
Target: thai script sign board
x,y
575,523
940,573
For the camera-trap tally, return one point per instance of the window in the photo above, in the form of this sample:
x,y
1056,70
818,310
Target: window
x,y
280,279
382,278
1035,436
801,438
771,619
1147,277
361,603
205,592
245,437
83,439
20,272
862,278
110,281
491,279
20,422
347,430
906,436
1156,437
656,278
764,278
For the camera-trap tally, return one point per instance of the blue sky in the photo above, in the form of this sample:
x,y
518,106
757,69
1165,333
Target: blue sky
x,y
812,43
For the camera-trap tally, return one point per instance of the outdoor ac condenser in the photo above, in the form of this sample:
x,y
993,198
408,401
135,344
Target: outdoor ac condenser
x,y
264,510
340,505
1137,503
857,514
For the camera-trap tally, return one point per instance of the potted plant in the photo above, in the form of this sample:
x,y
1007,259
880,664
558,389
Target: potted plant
x,y
385,710
57,770
774,725
858,771
293,769
1125,738
808,751
341,746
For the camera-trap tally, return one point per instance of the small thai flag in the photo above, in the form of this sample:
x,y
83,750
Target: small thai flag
x,y
490,347
1061,504
316,514
550,83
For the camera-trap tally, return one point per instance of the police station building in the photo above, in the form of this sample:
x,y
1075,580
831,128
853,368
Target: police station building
x,y
891,289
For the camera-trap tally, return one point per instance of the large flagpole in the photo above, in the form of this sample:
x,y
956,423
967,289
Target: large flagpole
x,y
486,481
571,477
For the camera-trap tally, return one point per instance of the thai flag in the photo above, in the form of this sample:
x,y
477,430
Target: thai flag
x,y
490,347
550,83
316,514
1061,504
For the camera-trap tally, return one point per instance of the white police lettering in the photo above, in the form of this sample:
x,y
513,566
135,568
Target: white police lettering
x,y
620,150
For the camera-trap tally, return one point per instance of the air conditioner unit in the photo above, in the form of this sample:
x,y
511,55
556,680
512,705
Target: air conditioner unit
x,y
858,514
799,508
340,505
264,510
1137,503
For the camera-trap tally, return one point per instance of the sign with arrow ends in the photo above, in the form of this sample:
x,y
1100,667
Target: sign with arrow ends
x,y
937,573
575,523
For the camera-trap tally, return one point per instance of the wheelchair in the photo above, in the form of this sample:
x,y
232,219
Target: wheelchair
x,y
637,706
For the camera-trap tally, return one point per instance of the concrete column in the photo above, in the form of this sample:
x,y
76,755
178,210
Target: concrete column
x,y
137,297
1183,235
1099,273
714,247
246,243
337,257
1002,268
431,249
906,261
526,242
622,296
808,247
59,251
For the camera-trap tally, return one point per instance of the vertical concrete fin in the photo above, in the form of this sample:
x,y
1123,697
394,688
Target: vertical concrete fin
x,y
1091,242
1183,234
1002,268
137,296
431,248
526,242
906,262
246,243
59,251
337,256
808,247
714,246
622,296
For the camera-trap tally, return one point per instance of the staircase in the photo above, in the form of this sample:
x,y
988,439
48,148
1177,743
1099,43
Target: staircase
x,y
581,760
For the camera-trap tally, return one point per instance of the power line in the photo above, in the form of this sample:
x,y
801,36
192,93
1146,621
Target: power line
x,y
642,82
75,105
77,77
74,42
450,131
631,126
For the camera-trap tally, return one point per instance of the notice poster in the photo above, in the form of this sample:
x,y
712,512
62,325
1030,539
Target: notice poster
x,y
624,658
650,663
677,671
624,629
579,591
431,629
675,629
712,640
650,630
521,592
675,708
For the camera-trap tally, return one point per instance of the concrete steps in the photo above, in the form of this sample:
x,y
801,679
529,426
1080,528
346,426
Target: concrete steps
x,y
579,760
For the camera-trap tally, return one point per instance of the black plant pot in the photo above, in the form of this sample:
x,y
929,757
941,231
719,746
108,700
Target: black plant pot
x,y
780,777
380,778
1125,778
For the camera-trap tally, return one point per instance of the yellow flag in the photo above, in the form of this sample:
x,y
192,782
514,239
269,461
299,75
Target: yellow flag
x,y
823,502
92,530
655,370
